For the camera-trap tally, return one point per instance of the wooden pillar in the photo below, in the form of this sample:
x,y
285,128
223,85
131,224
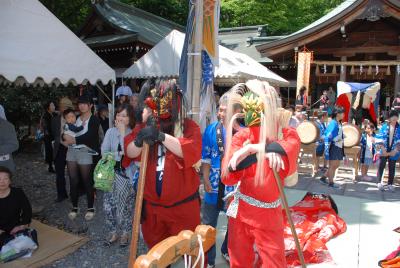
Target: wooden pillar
x,y
397,79
343,74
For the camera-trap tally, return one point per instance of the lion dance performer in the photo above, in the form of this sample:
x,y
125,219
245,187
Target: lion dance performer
x,y
171,199
267,143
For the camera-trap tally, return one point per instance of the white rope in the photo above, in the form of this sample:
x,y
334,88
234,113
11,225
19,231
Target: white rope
x,y
185,260
188,259
201,253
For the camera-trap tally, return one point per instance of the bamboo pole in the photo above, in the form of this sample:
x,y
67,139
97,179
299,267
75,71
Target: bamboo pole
x,y
288,215
198,46
138,205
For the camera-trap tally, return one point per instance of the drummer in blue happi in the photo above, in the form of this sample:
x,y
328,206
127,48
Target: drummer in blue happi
x,y
387,142
212,153
321,123
334,146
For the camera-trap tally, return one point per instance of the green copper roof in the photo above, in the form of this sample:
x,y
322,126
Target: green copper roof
x,y
147,27
244,40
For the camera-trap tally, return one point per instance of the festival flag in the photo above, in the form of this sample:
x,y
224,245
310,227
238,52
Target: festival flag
x,y
366,93
208,111
183,65
209,56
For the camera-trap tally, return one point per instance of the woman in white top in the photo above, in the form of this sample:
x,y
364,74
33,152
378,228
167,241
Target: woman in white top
x,y
118,204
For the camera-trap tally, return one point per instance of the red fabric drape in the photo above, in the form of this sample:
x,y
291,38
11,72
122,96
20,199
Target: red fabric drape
x,y
316,223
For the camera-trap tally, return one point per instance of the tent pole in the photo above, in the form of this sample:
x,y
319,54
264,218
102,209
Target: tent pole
x,y
113,98
102,91
198,45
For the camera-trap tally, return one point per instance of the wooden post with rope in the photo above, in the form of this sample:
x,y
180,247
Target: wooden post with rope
x,y
289,218
138,205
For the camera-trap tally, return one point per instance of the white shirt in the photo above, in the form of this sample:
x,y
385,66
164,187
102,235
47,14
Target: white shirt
x,y
368,149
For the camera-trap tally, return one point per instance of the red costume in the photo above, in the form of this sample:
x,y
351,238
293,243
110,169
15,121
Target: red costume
x,y
178,206
262,227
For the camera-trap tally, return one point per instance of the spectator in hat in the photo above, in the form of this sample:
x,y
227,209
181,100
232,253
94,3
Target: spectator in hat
x,y
60,148
123,93
79,161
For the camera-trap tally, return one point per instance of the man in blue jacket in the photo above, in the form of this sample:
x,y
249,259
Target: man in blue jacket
x,y
212,153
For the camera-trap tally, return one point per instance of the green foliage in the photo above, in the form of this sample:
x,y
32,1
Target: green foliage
x,y
72,13
24,105
283,17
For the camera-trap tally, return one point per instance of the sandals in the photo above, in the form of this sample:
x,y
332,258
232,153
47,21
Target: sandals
x,y
124,241
89,214
73,213
113,238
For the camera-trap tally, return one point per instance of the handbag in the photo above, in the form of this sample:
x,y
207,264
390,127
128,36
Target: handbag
x,y
104,173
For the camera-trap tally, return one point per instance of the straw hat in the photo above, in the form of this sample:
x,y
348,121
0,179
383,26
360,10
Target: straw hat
x,y
66,102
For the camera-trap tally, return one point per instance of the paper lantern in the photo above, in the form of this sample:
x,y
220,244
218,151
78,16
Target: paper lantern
x,y
376,69
334,69
369,72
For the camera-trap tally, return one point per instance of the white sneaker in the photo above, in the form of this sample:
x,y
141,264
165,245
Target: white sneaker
x,y
72,215
226,256
391,188
381,187
210,266
89,214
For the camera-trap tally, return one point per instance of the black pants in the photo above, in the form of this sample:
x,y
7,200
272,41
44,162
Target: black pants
x,y
60,163
80,174
48,150
392,169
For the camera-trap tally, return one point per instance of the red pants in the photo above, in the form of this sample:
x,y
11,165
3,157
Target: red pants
x,y
269,243
161,223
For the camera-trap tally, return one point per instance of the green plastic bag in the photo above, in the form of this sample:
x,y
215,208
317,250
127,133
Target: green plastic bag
x,y
104,173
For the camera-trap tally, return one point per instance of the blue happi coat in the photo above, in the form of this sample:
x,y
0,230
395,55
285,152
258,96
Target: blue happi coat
x,y
363,144
320,141
210,154
382,138
332,136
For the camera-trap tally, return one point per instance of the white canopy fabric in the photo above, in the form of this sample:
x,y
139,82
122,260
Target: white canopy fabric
x,y
37,48
164,58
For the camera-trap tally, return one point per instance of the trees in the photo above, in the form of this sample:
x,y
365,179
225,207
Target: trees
x,y
283,17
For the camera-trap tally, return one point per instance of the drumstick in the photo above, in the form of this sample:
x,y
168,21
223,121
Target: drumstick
x,y
138,205
288,215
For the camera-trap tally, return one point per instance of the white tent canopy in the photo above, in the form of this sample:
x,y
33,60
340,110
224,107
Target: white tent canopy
x,y
37,48
164,58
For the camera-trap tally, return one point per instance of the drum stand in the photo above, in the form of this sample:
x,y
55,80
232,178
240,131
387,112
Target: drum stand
x,y
352,153
310,149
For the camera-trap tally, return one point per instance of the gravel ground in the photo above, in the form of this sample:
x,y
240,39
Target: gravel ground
x,y
39,186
